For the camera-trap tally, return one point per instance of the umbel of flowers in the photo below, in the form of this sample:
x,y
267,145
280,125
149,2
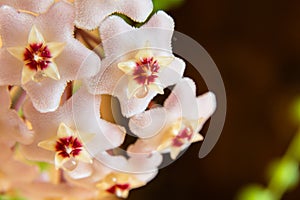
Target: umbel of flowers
x,y
58,59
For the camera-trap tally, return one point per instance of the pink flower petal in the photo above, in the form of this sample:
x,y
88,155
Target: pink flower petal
x,y
81,171
46,94
182,101
120,39
37,6
156,35
148,123
90,13
136,163
207,105
181,104
84,63
45,126
173,73
15,26
107,135
81,113
99,171
56,24
77,62
4,98
10,69
12,127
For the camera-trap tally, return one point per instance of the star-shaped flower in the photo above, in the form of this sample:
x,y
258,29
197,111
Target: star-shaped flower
x,y
90,13
127,174
76,128
119,184
138,62
36,6
38,57
43,47
144,73
68,148
175,126
117,175
12,128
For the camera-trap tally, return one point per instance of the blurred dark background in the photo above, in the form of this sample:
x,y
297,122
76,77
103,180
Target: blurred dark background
x,y
256,46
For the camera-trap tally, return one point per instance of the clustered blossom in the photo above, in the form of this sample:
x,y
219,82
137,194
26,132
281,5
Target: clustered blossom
x,y
53,124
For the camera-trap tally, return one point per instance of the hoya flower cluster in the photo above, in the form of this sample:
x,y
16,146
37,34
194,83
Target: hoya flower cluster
x,y
55,141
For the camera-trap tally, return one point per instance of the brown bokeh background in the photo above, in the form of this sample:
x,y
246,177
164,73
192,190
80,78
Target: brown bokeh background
x,y
256,46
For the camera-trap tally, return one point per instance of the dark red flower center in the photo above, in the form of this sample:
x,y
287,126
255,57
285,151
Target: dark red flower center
x,y
146,71
68,146
185,135
37,56
113,189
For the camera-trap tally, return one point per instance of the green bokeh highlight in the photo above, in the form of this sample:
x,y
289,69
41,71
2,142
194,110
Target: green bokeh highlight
x,y
255,192
166,4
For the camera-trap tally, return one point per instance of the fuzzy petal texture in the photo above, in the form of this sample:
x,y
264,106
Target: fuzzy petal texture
x,y
142,167
182,101
36,6
185,116
90,13
148,124
74,61
123,43
12,127
81,113
207,104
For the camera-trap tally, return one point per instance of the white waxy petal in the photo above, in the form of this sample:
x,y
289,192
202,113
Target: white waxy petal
x,y
29,5
164,61
141,92
175,152
35,36
17,52
164,144
64,131
127,67
197,137
55,48
133,86
84,156
27,74
51,71
144,53
48,144
58,161
157,87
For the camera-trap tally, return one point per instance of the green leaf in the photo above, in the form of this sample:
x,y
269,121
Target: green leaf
x,y
255,192
166,4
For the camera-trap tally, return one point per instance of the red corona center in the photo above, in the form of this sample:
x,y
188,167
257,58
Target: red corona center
x,y
68,146
115,187
37,56
146,71
184,136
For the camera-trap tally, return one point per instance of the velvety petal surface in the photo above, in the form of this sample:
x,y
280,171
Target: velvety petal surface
x,y
36,6
126,45
90,13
